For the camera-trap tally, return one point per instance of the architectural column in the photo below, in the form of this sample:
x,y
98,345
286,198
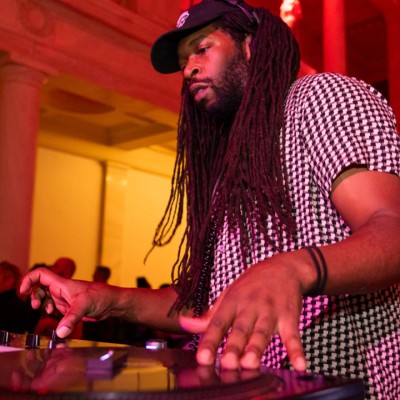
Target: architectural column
x,y
393,31
334,36
112,232
291,13
390,10
19,121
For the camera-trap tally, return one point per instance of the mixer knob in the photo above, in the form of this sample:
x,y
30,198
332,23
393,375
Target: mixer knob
x,y
55,341
156,344
4,338
32,340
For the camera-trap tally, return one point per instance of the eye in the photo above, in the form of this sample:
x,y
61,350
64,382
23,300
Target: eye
x,y
202,50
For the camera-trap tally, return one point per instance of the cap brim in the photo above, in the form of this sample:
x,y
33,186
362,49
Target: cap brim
x,y
164,53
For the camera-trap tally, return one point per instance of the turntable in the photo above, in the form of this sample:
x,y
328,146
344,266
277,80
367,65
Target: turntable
x,y
75,369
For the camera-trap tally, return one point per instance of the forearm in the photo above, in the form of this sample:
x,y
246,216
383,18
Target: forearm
x,y
368,260
149,307
77,300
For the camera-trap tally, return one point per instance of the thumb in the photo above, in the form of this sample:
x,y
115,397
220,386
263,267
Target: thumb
x,y
195,324
200,324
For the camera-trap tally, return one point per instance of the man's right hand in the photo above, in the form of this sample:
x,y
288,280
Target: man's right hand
x,y
75,299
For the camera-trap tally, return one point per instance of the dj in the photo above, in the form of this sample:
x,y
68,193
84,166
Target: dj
x,y
292,249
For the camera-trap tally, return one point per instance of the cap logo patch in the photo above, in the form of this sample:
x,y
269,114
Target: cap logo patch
x,y
182,19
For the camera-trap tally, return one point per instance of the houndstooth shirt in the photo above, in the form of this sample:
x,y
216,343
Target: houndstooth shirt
x,y
332,122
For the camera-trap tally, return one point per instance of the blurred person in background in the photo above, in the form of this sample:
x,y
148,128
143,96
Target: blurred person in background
x,y
13,312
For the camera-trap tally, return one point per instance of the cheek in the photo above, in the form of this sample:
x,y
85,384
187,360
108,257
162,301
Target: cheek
x,y
218,67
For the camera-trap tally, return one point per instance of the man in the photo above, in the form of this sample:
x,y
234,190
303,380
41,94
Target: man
x,y
101,274
291,252
64,267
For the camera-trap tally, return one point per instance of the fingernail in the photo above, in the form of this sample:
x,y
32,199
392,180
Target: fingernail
x,y
204,357
63,332
300,364
249,360
230,358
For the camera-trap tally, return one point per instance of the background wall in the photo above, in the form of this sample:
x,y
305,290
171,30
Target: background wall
x,y
66,210
146,201
67,218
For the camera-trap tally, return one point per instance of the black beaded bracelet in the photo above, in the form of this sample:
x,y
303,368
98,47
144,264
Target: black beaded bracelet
x,y
321,268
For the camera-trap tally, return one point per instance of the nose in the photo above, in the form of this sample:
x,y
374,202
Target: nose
x,y
192,68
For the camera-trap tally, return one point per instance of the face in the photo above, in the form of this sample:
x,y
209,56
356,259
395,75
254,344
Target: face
x,y
215,69
6,282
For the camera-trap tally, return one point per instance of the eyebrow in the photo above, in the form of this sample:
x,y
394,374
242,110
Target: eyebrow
x,y
194,42
197,39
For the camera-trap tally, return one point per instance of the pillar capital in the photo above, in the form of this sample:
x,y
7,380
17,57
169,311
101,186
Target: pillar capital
x,y
11,71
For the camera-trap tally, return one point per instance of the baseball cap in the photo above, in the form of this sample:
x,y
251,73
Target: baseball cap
x,y
164,53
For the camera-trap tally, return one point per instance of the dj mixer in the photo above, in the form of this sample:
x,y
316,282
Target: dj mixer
x,y
33,367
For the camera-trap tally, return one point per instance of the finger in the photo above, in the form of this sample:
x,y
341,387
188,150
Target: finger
x,y
26,285
238,338
257,344
218,326
195,324
199,324
205,355
291,339
49,305
79,308
40,276
37,296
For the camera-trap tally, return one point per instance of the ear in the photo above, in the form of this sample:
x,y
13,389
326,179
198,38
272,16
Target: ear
x,y
246,46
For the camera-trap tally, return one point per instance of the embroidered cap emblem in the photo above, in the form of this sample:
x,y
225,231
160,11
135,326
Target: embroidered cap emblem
x,y
182,19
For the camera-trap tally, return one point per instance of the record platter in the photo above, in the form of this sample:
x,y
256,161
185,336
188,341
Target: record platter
x,y
48,368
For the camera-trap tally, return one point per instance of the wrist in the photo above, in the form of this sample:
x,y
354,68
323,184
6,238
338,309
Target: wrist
x,y
320,270
122,303
300,267
306,271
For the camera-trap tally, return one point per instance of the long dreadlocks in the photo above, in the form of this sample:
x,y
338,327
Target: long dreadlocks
x,y
232,173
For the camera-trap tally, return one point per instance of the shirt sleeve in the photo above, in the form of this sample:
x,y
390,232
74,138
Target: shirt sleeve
x,y
346,122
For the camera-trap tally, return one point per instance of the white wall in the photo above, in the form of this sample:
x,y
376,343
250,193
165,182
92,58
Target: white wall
x,y
67,214
146,201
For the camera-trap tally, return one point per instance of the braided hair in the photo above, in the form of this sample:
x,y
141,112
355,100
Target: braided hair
x,y
231,173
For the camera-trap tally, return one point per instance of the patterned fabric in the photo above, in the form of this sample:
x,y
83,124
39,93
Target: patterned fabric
x,y
331,122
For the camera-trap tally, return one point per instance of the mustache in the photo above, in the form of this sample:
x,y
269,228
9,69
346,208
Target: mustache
x,y
207,81
194,85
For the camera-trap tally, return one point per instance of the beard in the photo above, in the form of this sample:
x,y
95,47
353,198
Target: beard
x,y
229,89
